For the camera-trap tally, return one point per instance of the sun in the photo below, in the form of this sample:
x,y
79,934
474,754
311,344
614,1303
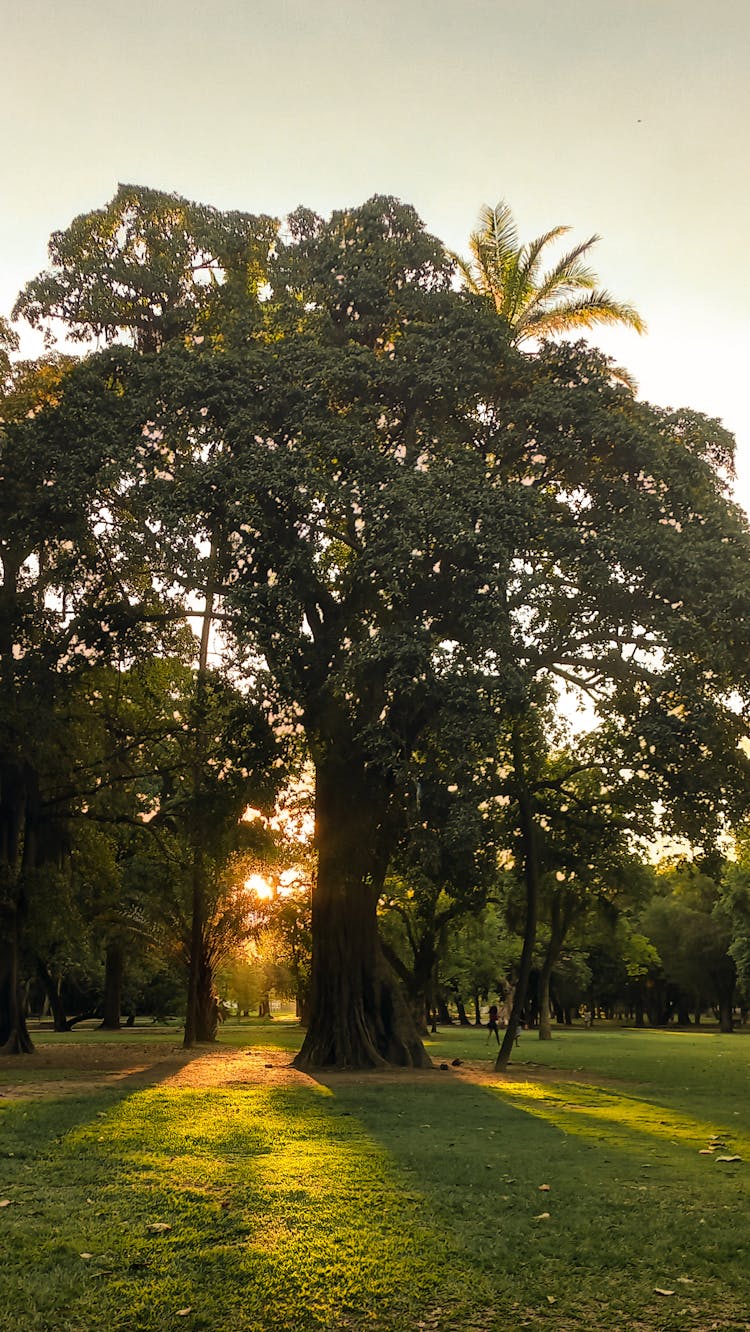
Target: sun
x,y
260,886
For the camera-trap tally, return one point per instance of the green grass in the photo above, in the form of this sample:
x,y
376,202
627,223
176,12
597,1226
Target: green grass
x,y
413,1203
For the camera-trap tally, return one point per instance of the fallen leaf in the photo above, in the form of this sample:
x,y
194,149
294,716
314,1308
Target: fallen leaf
x,y
85,1255
706,1151
543,1216
158,1227
658,1291
552,1299
728,1158
183,1313
686,1281
5,1202
544,1188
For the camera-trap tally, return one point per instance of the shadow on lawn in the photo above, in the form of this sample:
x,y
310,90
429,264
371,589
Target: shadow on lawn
x,y
597,1196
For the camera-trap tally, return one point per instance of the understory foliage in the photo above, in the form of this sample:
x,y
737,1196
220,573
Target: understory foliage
x,y
406,539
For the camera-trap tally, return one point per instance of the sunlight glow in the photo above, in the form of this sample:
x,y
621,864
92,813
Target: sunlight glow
x,y
260,886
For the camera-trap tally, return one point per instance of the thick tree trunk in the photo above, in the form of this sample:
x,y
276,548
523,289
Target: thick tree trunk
x,y
726,1015
463,1016
113,973
14,1034
359,1017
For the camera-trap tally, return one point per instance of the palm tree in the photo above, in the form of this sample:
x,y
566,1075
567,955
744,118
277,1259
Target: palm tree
x,y
537,304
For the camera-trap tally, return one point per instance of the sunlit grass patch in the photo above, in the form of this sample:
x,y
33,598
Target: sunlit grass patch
x,y
627,1120
261,1208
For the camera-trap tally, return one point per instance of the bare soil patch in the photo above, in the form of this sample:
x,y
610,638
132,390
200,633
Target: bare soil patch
x,y
70,1070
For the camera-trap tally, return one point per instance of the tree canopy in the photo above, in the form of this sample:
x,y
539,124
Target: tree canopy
x,y
390,513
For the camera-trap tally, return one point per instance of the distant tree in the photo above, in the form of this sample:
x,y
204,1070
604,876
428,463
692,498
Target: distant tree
x,y
71,595
734,906
446,862
479,958
693,935
585,826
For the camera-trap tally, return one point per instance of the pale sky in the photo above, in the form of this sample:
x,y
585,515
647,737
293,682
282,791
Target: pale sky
x,y
629,118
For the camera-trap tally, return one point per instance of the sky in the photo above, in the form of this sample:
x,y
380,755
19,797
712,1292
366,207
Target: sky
x,y
625,119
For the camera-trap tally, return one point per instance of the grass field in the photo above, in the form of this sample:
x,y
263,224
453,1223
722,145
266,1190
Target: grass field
x,y
142,1189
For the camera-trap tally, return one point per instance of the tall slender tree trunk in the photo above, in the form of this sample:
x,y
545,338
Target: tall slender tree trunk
x,y
17,852
545,1016
531,883
195,1017
559,922
114,963
359,1017
53,996
207,1012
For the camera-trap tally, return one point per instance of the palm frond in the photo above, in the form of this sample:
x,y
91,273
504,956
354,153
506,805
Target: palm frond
x,y
496,227
486,272
598,307
466,273
531,253
619,375
538,306
569,275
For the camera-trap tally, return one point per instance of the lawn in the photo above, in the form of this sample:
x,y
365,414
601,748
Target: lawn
x,y
141,1188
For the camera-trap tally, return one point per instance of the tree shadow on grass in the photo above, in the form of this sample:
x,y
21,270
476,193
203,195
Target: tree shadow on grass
x,y
631,1204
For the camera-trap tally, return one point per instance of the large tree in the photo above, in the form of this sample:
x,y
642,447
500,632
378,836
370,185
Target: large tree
x,y
384,504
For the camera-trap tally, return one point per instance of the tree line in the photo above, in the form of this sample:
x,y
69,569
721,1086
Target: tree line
x,y
307,503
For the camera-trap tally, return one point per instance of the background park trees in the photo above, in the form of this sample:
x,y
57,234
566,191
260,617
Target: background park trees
x,y
384,513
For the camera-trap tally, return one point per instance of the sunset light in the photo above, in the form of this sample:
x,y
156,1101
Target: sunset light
x,y
260,886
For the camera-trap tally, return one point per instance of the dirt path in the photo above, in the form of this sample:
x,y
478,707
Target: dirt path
x,y
73,1070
